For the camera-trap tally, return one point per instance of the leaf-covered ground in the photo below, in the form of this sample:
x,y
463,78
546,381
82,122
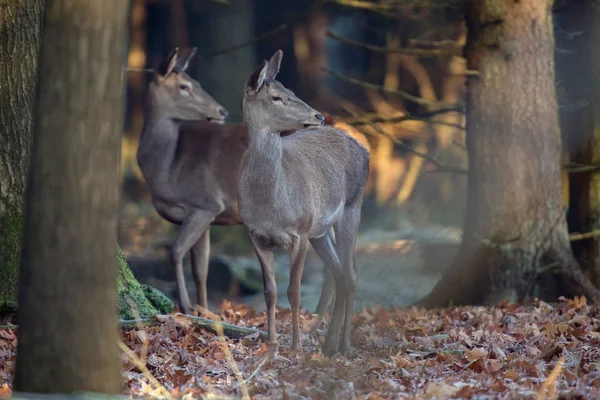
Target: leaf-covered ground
x,y
508,351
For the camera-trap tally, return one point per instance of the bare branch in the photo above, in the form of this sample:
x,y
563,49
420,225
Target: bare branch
x,y
576,168
407,147
404,95
410,51
364,120
582,236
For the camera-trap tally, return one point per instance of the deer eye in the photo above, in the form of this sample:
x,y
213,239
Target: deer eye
x,y
183,87
275,98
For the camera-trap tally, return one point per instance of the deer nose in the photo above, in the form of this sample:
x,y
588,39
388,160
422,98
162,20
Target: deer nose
x,y
223,112
320,118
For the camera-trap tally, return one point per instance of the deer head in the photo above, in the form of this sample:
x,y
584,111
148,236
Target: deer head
x,y
273,107
181,97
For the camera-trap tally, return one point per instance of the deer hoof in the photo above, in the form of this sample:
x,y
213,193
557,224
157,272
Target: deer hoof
x,y
344,349
186,309
297,348
329,348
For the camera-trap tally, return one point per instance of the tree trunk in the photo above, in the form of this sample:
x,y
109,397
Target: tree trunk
x,y
67,294
19,43
515,227
216,27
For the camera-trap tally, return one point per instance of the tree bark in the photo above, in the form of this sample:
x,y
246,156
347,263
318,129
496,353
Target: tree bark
x,y
515,227
212,30
20,23
67,294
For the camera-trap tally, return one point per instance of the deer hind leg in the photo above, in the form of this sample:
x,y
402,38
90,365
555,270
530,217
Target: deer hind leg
x,y
326,293
267,261
297,258
346,232
191,231
326,248
200,255
320,246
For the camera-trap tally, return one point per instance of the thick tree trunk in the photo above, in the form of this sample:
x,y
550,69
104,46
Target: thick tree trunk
x,y
515,226
217,27
19,42
67,294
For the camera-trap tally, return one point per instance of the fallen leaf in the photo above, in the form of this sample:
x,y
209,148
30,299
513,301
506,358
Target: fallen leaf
x,y
476,353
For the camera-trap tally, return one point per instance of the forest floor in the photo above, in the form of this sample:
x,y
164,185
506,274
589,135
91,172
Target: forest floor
x,y
535,351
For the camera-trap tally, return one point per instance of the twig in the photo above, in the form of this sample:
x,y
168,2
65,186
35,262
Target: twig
x,y
574,168
138,70
404,95
365,5
408,148
548,388
142,367
145,341
410,51
268,34
379,8
409,117
582,236
232,363
433,43
253,374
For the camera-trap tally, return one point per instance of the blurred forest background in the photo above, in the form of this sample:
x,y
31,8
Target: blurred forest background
x,y
334,60
393,71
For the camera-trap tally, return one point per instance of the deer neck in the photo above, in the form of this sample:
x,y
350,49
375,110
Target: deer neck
x,y
264,162
158,146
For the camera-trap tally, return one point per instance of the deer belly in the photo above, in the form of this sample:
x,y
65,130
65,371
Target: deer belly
x,y
173,213
326,219
270,239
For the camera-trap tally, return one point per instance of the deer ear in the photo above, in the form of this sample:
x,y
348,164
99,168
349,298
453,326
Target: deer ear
x,y
183,62
257,79
274,64
168,64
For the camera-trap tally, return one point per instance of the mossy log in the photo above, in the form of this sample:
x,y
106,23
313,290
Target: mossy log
x,y
229,330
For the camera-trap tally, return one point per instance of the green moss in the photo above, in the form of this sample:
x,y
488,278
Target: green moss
x,y
148,301
11,226
158,300
132,295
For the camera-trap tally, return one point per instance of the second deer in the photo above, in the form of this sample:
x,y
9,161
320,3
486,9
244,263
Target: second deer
x,y
298,189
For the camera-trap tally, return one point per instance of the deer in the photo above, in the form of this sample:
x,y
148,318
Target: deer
x,y
190,160
298,189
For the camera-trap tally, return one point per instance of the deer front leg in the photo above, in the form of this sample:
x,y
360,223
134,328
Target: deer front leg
x,y
191,231
200,255
297,257
267,261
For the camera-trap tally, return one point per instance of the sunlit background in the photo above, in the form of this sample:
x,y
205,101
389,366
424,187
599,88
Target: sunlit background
x,y
334,58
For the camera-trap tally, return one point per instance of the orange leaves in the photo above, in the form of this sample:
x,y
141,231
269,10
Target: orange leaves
x,y
507,351
5,391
